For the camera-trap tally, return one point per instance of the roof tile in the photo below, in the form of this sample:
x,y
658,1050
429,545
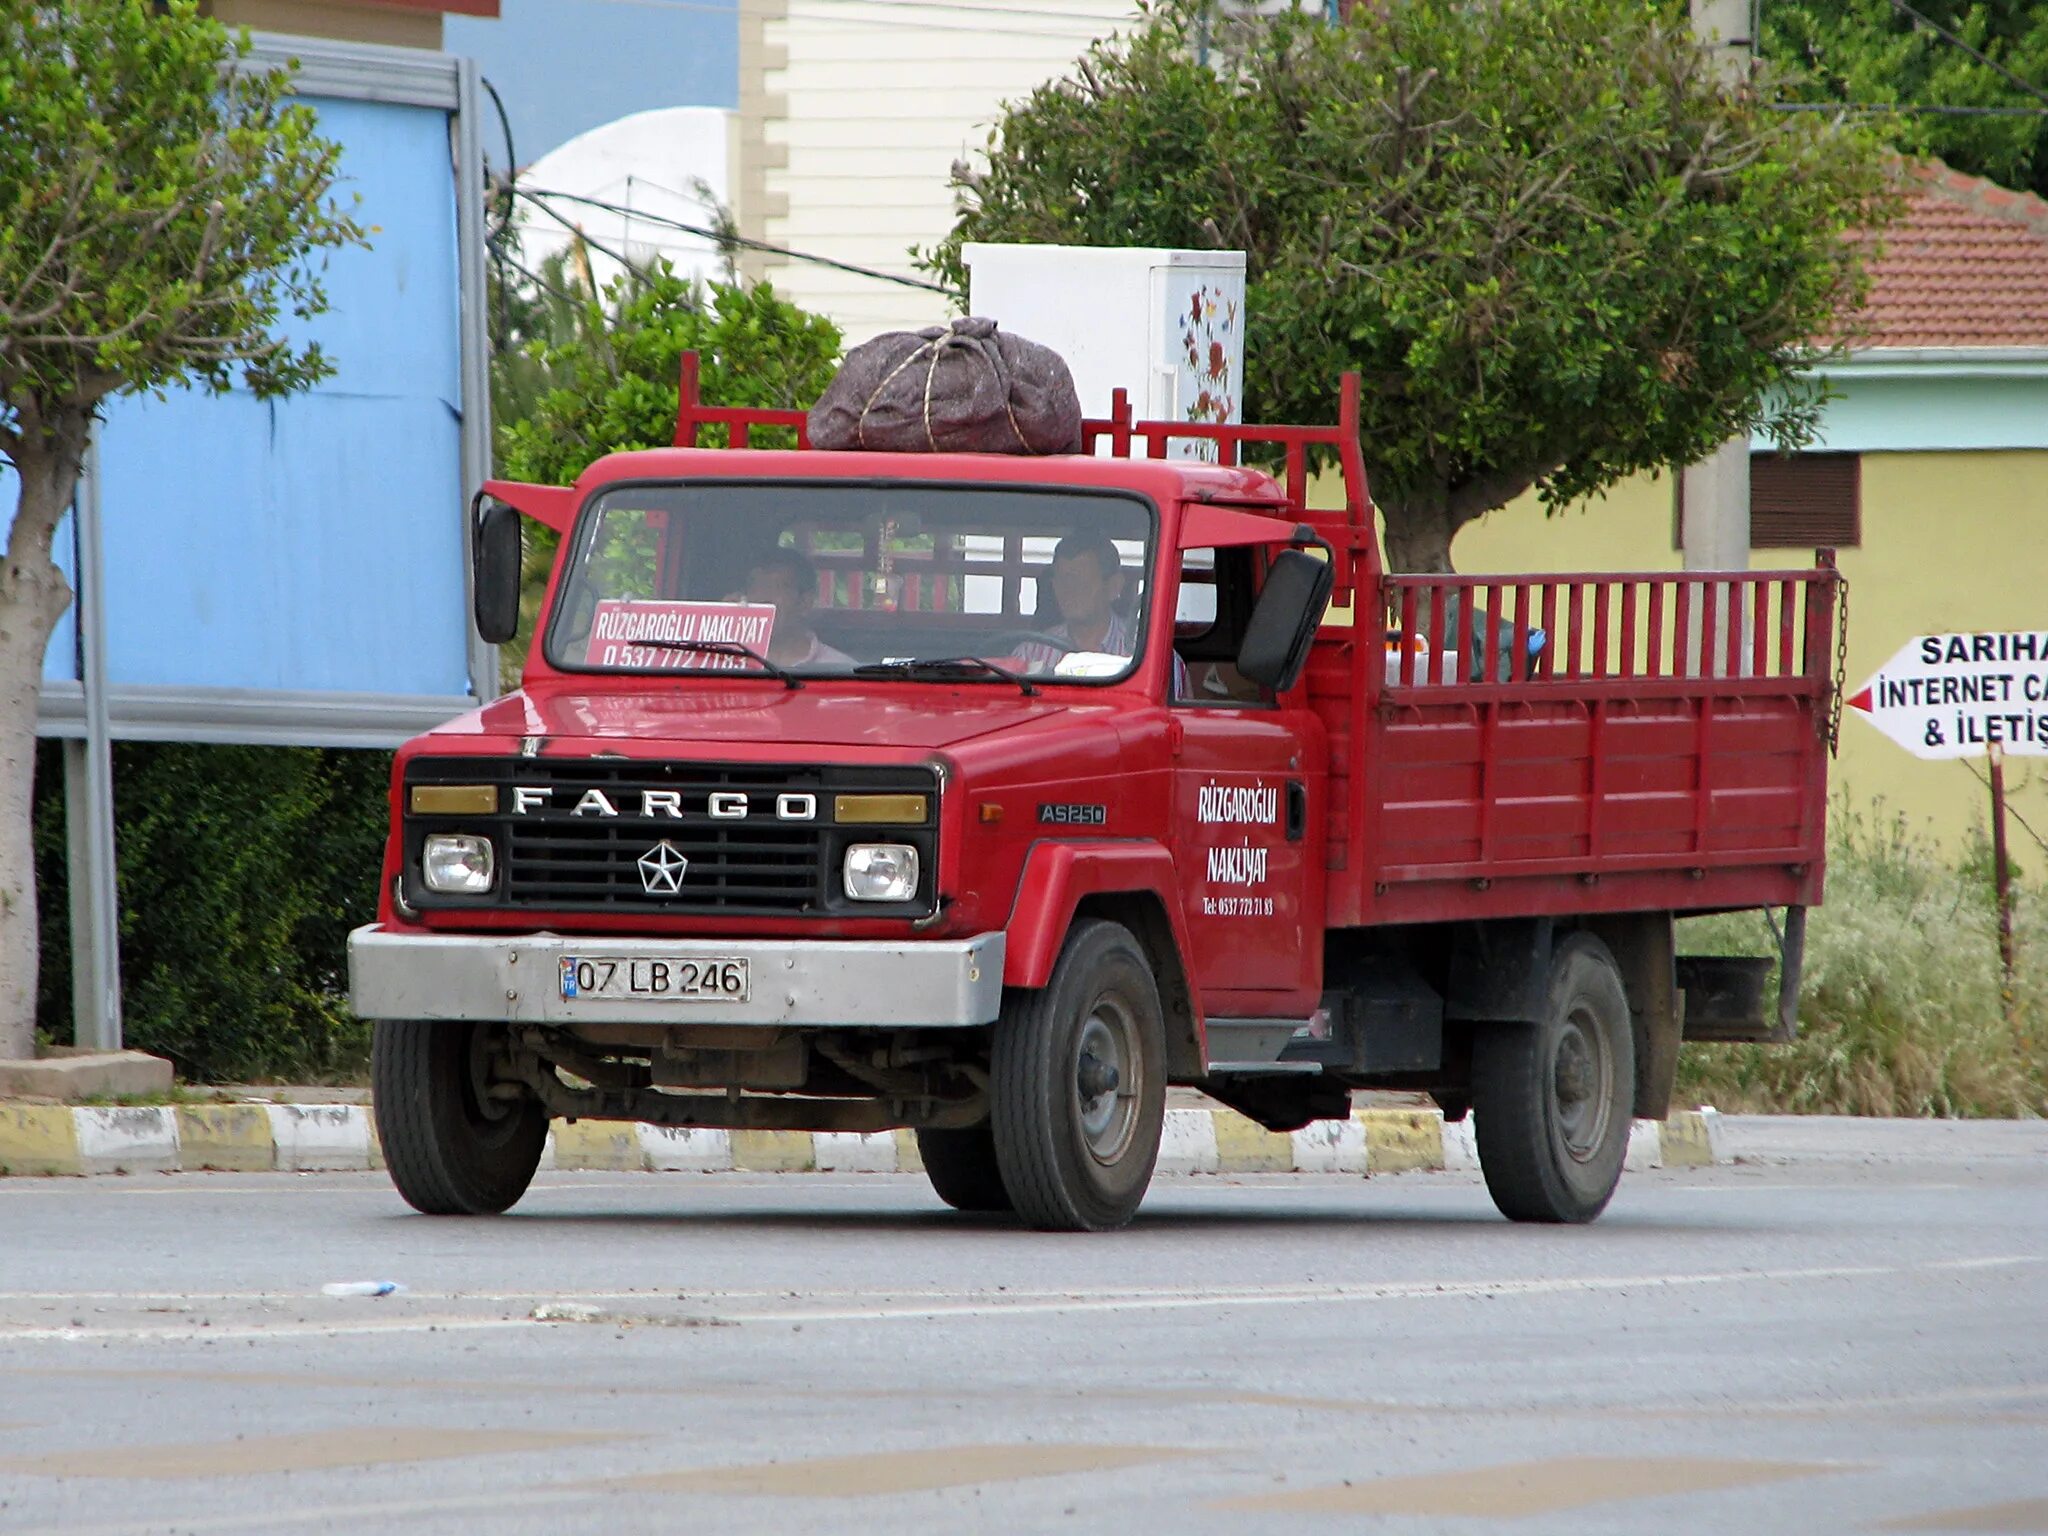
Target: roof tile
x,y
1966,266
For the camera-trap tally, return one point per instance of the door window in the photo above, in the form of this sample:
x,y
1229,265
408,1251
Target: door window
x,y
1217,588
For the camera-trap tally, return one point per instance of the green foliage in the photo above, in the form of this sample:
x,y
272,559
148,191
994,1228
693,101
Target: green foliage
x,y
611,385
1557,250
583,380
1901,1007
1867,52
242,870
160,203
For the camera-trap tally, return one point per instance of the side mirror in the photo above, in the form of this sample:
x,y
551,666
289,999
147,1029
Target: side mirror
x,y
495,555
1283,624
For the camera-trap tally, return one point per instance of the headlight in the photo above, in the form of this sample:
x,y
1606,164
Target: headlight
x,y
881,872
457,864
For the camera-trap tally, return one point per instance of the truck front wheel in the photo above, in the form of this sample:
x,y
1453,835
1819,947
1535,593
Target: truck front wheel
x,y
963,1170
1552,1101
1077,1085
453,1148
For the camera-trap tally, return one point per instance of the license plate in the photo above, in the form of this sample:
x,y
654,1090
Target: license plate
x,y
705,979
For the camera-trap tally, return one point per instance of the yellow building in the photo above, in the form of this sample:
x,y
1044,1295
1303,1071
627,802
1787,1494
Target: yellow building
x,y
1930,478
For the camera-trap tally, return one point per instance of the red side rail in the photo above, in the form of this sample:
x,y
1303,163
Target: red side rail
x,y
1232,438
692,413
1664,746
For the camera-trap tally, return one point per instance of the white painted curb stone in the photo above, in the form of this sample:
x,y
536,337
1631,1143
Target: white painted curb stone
x,y
138,1140
1330,1146
677,1149
1187,1142
319,1137
854,1151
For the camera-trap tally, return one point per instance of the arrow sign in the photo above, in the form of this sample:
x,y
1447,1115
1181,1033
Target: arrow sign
x,y
1954,695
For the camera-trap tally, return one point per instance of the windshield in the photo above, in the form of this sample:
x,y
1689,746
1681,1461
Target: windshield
x,y
821,578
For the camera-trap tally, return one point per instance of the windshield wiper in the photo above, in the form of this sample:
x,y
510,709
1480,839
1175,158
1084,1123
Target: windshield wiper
x,y
726,648
945,666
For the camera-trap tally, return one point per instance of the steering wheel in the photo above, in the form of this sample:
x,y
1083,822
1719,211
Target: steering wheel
x,y
1012,639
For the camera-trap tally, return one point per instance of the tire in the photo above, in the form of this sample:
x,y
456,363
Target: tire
x,y
1552,1101
1072,1159
963,1170
450,1150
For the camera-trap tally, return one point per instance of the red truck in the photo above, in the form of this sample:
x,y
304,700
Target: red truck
x,y
989,796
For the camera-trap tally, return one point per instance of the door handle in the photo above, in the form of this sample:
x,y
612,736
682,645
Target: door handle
x,y
1297,810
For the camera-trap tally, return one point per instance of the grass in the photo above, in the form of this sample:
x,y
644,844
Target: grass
x,y
1901,1007
176,1094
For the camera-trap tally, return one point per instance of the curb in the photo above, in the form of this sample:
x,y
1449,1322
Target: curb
x,y
307,1138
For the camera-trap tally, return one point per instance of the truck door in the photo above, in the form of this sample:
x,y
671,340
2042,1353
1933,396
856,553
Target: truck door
x,y
1247,818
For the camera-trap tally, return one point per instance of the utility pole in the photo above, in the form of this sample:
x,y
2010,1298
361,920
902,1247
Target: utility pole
x,y
1715,530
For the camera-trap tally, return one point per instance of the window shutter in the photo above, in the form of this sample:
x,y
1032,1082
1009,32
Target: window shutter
x,y
1805,501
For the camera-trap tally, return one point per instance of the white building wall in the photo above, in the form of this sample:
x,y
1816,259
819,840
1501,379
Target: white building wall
x,y
863,108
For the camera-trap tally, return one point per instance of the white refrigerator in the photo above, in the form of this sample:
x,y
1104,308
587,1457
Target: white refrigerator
x,y
1166,325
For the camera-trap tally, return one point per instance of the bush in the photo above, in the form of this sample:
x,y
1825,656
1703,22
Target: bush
x,y
1900,1007
242,870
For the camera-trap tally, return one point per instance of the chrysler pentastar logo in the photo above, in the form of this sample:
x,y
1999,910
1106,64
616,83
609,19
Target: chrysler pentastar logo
x,y
662,868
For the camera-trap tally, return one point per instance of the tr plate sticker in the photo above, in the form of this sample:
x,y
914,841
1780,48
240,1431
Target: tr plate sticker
x,y
1055,814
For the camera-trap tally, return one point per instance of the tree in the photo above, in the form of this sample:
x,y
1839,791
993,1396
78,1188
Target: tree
x,y
1556,249
161,203
585,378
1870,53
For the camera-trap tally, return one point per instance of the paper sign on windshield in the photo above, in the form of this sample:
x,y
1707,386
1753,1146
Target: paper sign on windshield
x,y
622,624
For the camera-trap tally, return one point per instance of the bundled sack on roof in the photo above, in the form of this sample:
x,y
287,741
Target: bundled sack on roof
x,y
963,388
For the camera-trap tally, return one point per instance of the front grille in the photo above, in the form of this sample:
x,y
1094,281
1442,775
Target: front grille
x,y
572,835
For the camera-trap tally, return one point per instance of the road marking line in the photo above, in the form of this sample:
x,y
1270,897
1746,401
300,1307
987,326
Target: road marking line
x,y
158,1334
1692,1186
1295,1296
914,1306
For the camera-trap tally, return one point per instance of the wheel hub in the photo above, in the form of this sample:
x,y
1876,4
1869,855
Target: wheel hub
x,y
1096,1077
1105,1087
1581,1088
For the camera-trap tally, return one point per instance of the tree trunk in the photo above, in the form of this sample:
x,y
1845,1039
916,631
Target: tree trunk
x,y
1418,536
33,596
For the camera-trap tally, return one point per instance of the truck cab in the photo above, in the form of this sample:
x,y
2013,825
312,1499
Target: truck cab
x,y
988,796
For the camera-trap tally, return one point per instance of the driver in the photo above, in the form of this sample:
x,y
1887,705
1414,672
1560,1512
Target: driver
x,y
1087,577
785,578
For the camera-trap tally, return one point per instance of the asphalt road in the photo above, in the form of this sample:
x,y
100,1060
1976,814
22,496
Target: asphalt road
x,y
1848,1331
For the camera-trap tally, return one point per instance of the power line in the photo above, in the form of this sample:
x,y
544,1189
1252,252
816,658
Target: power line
x,y
721,238
581,301
1982,58
567,223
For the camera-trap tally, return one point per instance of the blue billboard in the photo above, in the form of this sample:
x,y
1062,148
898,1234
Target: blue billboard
x,y
295,570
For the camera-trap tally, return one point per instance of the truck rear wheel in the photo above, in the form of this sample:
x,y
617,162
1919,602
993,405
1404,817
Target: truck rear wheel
x,y
963,1169
1077,1085
1552,1101
451,1147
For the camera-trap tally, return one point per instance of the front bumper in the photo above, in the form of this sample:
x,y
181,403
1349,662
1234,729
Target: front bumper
x,y
846,983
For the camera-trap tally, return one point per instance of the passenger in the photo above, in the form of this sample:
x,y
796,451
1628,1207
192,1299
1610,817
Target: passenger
x,y
785,578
